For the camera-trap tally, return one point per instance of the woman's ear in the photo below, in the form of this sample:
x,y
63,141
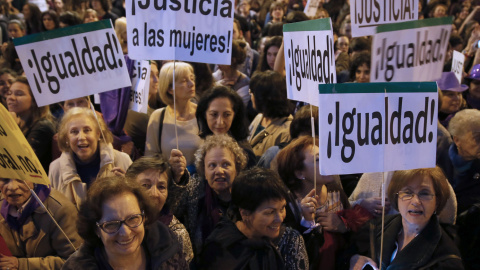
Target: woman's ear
x,y
244,213
299,175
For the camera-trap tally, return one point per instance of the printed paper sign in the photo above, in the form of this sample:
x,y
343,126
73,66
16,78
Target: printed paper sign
x,y
73,62
457,65
410,51
41,4
140,86
377,127
17,159
309,58
197,31
367,14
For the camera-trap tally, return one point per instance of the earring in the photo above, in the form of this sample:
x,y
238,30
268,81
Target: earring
x,y
435,212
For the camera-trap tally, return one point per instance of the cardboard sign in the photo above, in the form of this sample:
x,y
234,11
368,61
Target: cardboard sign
x,y
309,58
410,51
17,159
140,86
367,14
197,31
457,65
377,127
73,62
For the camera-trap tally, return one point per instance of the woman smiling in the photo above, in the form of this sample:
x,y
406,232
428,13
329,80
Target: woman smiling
x,y
252,237
87,154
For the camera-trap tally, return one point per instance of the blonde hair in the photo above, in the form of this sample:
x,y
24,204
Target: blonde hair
x,y
165,79
84,113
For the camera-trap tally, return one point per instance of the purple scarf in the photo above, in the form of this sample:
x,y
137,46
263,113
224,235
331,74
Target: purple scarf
x,y
16,223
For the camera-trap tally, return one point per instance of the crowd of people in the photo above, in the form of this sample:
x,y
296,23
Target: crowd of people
x,y
222,170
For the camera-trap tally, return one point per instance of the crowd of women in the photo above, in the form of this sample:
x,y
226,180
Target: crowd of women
x,y
222,172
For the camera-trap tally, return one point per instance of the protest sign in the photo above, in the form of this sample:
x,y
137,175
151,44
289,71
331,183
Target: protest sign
x,y
197,31
377,127
309,58
367,14
41,4
140,86
17,159
311,7
72,62
410,51
457,65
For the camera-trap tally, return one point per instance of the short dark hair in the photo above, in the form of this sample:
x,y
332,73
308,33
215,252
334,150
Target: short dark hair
x,y
253,187
401,178
101,190
239,127
106,5
360,44
290,159
270,93
357,61
238,53
70,18
296,16
302,123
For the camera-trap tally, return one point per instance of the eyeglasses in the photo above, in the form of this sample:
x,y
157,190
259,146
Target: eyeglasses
x,y
113,226
422,196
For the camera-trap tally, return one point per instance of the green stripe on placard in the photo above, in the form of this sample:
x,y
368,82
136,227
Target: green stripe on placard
x,y
414,24
312,25
370,88
63,32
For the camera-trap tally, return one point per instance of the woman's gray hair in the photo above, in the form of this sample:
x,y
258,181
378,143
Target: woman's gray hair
x,y
464,121
222,141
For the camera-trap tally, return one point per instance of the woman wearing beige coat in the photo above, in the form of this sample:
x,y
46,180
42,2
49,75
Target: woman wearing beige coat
x,y
87,154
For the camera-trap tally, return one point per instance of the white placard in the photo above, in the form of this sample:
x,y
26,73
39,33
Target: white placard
x,y
41,4
311,7
309,58
367,14
410,51
377,127
197,31
73,62
140,86
457,65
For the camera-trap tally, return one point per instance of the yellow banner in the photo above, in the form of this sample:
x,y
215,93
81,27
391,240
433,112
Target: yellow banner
x,y
17,159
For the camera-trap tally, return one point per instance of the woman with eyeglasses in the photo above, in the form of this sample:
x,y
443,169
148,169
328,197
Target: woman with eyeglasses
x,y
413,239
118,223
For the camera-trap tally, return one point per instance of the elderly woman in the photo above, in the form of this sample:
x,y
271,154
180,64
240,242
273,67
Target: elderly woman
x,y
462,168
208,194
87,154
155,176
269,97
253,236
414,238
35,122
221,111
118,224
33,239
327,205
161,133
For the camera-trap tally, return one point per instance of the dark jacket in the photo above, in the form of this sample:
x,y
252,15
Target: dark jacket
x,y
464,177
431,249
159,242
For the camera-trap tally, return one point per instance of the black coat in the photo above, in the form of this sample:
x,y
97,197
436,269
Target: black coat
x,y
431,249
